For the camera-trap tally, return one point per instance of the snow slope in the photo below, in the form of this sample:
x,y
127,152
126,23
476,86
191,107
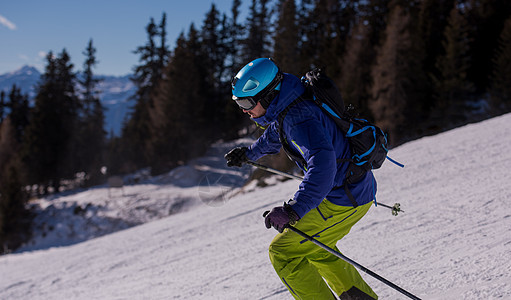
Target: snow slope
x,y
452,242
76,216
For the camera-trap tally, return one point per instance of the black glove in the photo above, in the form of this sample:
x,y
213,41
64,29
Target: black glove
x,y
280,217
236,157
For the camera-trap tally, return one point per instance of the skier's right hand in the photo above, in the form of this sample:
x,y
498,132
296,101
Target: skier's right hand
x,y
280,217
236,157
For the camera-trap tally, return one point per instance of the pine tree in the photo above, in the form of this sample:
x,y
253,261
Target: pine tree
x,y
68,163
486,19
49,147
163,49
257,43
285,51
213,45
315,34
215,40
355,84
39,145
14,218
234,118
213,52
89,82
398,79
146,73
179,108
433,18
374,14
325,28
137,131
234,42
501,79
453,88
19,112
91,132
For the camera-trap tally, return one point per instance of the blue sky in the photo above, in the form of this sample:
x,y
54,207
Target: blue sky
x,y
31,28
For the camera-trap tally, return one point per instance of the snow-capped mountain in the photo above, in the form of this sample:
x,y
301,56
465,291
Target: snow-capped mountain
x,y
115,93
26,78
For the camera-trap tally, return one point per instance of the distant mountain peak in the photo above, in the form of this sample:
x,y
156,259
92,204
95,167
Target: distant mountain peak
x,y
25,70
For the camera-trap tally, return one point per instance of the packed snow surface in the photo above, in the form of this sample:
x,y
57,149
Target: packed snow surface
x,y
453,240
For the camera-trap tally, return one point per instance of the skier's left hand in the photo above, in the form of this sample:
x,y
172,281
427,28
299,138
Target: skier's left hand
x,y
280,217
236,157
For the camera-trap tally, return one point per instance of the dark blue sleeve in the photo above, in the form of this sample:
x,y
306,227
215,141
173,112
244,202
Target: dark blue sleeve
x,y
312,141
268,143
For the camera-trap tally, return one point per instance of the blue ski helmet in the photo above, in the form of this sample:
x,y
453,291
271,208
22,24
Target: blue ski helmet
x,y
258,81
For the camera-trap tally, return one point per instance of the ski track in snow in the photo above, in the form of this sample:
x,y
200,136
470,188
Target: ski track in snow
x,y
452,241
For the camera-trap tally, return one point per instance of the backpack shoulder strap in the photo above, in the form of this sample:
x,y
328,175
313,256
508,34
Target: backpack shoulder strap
x,y
285,144
283,113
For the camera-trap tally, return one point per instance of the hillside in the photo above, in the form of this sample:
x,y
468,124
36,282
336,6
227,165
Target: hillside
x,y
452,241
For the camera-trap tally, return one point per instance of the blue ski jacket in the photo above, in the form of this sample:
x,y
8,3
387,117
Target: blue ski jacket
x,y
314,136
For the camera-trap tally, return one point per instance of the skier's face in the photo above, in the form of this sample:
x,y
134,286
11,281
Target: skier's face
x,y
256,112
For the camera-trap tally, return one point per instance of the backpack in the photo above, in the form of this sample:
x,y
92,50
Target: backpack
x,y
367,141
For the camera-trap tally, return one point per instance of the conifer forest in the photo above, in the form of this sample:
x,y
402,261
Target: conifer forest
x,y
414,68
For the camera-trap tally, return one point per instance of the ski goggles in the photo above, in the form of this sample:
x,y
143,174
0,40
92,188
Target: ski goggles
x,y
246,103
265,96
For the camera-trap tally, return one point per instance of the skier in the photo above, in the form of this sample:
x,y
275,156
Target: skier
x,y
319,208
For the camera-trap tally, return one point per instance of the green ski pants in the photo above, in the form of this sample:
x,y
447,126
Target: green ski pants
x,y
302,265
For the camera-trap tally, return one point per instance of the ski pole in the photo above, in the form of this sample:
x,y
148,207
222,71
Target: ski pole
x,y
272,170
354,263
396,208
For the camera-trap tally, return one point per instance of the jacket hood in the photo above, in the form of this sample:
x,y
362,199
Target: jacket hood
x,y
290,89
